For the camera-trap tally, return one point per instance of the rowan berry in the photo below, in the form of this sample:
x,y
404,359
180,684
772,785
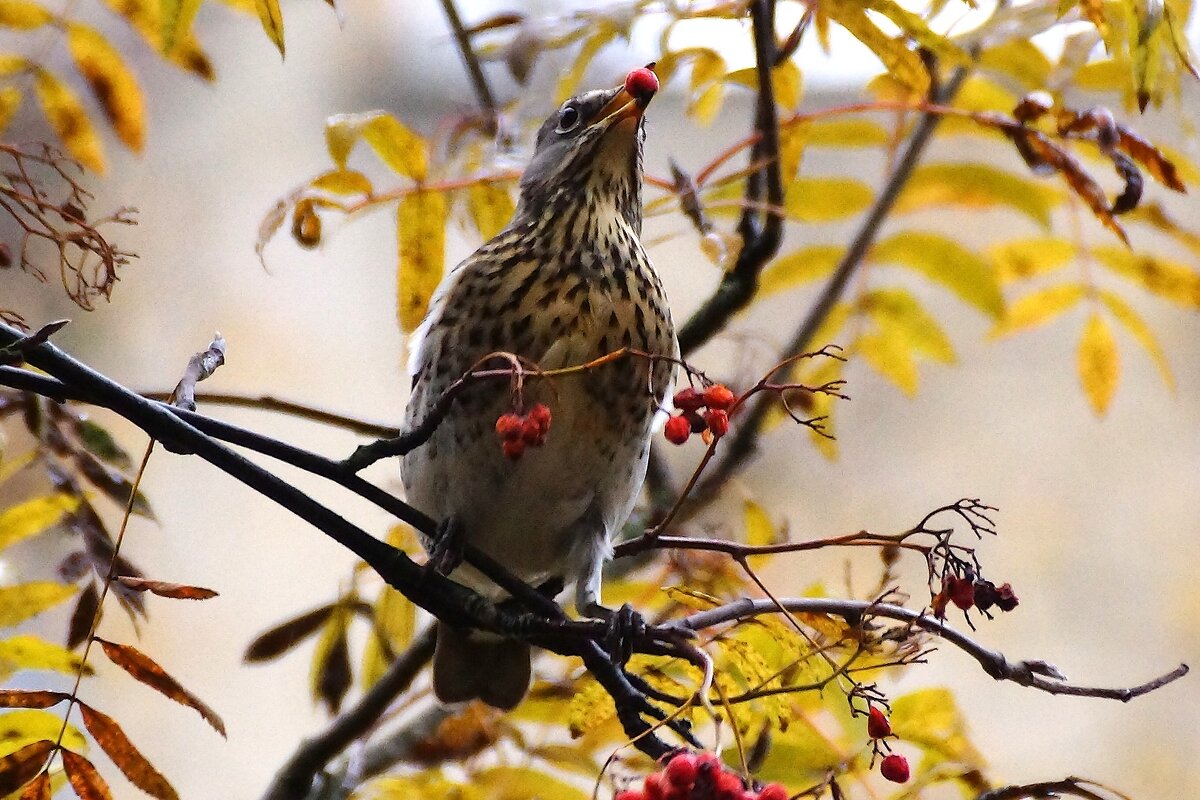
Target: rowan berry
x,y
1006,598
540,415
641,83
895,768
962,593
678,430
532,433
513,448
688,399
877,724
509,426
718,396
681,771
630,794
727,786
718,421
773,791
653,787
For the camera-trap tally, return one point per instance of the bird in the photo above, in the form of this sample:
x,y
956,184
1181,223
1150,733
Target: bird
x,y
565,282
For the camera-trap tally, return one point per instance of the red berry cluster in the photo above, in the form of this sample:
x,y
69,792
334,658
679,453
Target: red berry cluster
x,y
718,399
967,592
699,776
518,431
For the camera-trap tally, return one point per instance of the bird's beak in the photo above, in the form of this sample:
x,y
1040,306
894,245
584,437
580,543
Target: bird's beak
x,y
624,106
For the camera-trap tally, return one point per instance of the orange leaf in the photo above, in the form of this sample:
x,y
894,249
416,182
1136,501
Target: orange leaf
x,y
179,591
39,789
1150,157
84,778
18,769
145,670
133,764
16,698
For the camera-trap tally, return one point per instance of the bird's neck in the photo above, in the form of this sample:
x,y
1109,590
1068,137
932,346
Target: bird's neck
x,y
602,211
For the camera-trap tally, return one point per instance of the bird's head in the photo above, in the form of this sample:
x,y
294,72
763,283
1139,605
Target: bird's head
x,y
589,152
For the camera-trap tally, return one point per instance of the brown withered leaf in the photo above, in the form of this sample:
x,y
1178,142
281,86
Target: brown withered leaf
x,y
18,769
178,591
112,483
81,618
1151,158
283,637
84,778
458,737
39,789
116,745
147,671
331,674
20,698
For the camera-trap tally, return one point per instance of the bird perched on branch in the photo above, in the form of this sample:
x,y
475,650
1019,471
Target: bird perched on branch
x,y
567,282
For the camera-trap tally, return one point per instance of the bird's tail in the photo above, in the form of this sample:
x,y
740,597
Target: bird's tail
x,y
466,667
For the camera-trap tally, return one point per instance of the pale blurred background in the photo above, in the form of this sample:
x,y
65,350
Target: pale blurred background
x,y
1099,521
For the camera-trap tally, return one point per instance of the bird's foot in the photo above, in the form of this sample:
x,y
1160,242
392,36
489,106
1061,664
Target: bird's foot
x,y
446,552
625,627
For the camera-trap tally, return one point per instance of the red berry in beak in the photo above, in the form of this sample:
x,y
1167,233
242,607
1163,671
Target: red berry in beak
x,y
641,84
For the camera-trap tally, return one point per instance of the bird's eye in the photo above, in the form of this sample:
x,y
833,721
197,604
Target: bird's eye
x,y
568,119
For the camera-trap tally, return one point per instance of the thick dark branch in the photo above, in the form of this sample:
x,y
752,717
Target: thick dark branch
x,y
741,445
1034,674
483,92
761,230
295,778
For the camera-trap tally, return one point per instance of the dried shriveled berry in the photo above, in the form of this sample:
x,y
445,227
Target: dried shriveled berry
x,y
677,430
718,396
895,768
1006,598
877,724
717,421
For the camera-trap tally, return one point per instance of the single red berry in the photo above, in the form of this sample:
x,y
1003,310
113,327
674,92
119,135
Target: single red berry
x,y
877,724
509,426
895,768
718,396
540,415
718,421
773,791
709,761
682,770
688,399
962,593
641,83
1006,598
513,448
654,787
630,794
678,430
531,432
728,786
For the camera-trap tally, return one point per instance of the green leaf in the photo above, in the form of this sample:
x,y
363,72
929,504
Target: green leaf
x,y
19,603
33,516
897,312
1099,363
1038,308
1141,333
826,199
798,268
948,263
975,186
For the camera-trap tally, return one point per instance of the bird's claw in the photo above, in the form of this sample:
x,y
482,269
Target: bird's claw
x,y
624,627
446,551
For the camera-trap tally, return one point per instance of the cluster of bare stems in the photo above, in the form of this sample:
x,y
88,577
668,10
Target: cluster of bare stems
x,y
42,193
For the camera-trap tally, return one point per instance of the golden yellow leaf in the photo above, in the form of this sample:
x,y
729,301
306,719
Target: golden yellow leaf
x,y
707,67
33,516
23,15
524,783
590,707
791,150
1019,59
176,18
946,262
25,726
976,186
19,603
601,35
786,82
978,93
402,150
32,652
896,311
342,181
826,199
1141,333
705,106
421,230
1167,279
1154,215
113,84
272,21
11,65
395,622
1038,308
146,17
69,121
1099,363
930,719
10,101
890,354
491,207
843,133
1021,259
798,268
1108,75
901,61
760,530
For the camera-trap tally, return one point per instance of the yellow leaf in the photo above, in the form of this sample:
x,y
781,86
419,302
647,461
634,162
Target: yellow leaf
x,y
760,530
897,312
33,652
176,18
23,15
395,621
978,94
146,17
973,185
590,707
27,725
930,719
491,207
396,145
799,267
791,150
1020,59
902,63
707,67
1109,75
843,133
272,21
1141,333
826,199
421,229
1099,364
1167,279
786,82
70,122
704,106
948,263
1021,259
19,603
800,756
10,101
33,516
600,36
113,84
1038,308
524,783
342,181
890,355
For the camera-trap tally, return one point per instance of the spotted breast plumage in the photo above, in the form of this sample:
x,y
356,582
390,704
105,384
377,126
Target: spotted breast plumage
x,y
566,282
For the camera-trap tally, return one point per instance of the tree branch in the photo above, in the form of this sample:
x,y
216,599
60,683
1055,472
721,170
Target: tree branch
x,y
483,92
268,402
760,238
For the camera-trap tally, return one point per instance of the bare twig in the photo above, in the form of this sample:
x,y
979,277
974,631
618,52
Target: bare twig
x,y
271,403
483,92
200,366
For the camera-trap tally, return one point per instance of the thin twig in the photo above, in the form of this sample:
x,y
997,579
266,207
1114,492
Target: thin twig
x,y
483,92
268,402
